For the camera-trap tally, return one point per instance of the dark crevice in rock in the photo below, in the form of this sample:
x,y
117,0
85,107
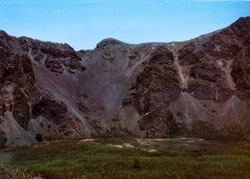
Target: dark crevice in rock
x,y
51,110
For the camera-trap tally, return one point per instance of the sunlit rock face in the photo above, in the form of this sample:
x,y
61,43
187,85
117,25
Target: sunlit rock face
x,y
199,87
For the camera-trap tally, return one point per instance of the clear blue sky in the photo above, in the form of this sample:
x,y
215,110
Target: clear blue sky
x,y
83,23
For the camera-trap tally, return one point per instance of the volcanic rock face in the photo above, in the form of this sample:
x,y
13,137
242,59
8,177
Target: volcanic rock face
x,y
199,87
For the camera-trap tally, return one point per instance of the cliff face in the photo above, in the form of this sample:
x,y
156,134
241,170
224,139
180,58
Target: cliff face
x,y
199,88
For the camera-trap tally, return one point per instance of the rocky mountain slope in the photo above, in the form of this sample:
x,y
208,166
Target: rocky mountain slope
x,y
199,87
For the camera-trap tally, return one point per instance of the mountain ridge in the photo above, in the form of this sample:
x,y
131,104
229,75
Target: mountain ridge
x,y
199,88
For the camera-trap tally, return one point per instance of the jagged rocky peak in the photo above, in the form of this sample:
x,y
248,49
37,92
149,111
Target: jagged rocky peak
x,y
198,88
242,24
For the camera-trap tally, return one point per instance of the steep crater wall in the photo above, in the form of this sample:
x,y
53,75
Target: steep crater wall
x,y
199,88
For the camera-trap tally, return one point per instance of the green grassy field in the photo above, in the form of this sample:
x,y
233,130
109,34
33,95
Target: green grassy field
x,y
134,158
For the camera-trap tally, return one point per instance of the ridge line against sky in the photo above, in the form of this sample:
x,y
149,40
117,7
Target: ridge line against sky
x,y
84,23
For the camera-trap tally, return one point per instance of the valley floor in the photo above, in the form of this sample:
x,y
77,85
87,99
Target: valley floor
x,y
129,158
